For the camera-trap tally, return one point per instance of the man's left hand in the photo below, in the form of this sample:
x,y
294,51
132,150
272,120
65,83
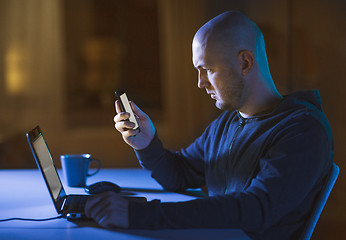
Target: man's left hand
x,y
109,210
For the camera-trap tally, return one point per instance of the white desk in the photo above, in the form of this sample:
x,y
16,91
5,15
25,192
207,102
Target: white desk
x,y
24,194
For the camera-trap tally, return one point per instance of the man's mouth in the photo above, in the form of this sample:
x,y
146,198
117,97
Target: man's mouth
x,y
212,95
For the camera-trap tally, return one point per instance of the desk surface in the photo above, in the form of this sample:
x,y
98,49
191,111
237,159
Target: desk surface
x,y
24,194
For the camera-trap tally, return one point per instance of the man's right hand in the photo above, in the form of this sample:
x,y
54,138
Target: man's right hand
x,y
135,138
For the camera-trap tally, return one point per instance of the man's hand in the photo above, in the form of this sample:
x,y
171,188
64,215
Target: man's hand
x,y
109,210
135,138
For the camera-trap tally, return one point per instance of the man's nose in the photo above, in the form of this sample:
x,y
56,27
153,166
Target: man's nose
x,y
203,80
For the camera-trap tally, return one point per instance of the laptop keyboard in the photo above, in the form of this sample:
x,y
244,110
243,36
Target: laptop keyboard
x,y
76,203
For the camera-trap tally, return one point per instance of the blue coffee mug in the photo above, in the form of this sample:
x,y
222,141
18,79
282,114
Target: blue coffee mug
x,y
76,168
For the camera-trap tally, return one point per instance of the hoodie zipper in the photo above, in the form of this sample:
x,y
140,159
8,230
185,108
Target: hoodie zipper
x,y
240,126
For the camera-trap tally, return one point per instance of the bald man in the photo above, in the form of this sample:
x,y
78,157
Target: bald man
x,y
263,160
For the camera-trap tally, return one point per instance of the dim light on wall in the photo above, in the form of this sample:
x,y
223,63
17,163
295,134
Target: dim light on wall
x,y
15,76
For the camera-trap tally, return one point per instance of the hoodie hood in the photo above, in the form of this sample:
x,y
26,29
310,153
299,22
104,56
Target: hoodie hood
x,y
310,99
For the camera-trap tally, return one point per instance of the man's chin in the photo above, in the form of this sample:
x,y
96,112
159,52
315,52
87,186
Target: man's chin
x,y
219,105
224,107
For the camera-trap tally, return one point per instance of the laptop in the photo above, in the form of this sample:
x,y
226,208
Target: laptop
x,y
70,206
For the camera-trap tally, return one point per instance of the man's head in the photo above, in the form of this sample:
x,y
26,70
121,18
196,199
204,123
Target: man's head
x,y
229,54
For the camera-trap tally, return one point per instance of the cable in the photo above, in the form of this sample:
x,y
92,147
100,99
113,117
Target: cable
x,y
30,219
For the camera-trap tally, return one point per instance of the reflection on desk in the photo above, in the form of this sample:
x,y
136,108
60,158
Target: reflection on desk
x,y
24,194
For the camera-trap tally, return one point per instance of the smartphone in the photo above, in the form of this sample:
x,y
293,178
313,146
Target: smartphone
x,y
126,107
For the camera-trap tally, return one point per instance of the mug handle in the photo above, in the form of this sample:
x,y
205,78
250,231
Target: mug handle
x,y
98,168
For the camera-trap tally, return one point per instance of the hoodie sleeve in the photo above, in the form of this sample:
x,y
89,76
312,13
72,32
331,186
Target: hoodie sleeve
x,y
177,171
173,170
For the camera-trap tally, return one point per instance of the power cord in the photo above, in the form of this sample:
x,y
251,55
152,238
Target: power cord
x,y
30,219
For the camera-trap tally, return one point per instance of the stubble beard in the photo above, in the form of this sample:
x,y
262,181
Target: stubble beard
x,y
232,96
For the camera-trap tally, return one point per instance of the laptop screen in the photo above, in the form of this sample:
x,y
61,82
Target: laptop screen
x,y
46,163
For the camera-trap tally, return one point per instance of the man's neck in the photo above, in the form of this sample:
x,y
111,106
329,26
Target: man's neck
x,y
262,107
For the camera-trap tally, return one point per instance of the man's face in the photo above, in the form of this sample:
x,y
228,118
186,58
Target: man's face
x,y
218,75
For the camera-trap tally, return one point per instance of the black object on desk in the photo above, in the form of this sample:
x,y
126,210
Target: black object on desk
x,y
101,187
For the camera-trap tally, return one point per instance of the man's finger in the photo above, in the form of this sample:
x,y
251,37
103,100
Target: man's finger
x,y
117,106
92,202
123,126
100,210
130,133
121,117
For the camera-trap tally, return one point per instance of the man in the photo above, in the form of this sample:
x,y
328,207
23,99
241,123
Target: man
x,y
264,159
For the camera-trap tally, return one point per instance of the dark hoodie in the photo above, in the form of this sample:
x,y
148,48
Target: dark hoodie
x,y
263,173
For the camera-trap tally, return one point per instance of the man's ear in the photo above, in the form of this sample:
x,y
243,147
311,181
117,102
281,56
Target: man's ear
x,y
246,61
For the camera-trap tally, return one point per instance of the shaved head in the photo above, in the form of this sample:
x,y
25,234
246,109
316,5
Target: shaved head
x,y
230,56
231,32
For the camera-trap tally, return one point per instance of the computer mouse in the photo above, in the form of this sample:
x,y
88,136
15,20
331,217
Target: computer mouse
x,y
101,187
